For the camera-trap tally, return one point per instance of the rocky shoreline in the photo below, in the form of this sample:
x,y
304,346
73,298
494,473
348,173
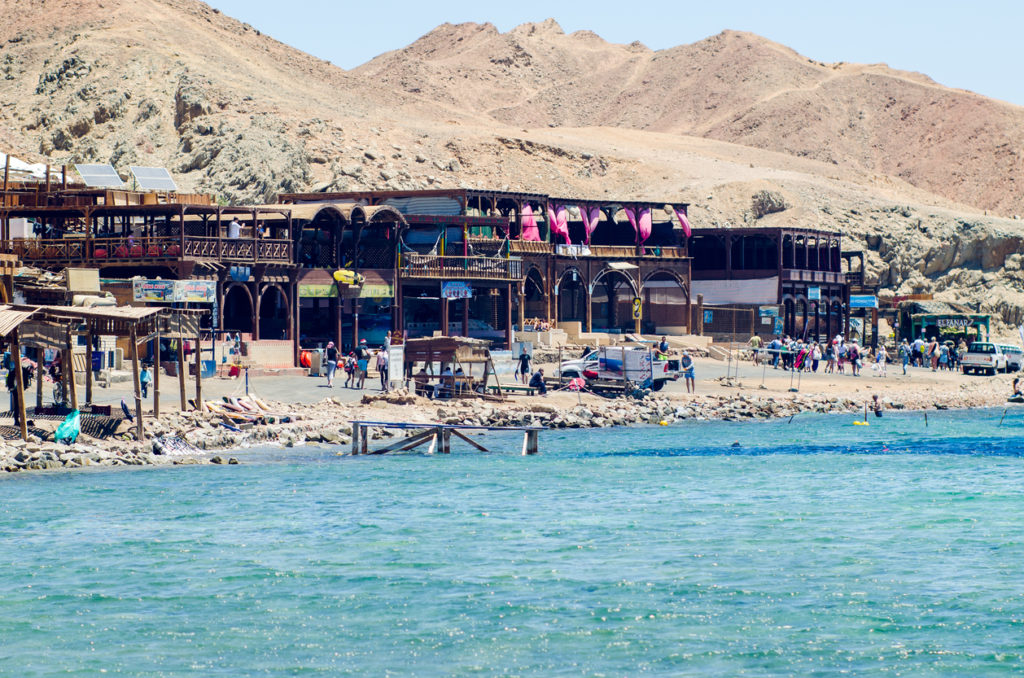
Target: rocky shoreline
x,y
194,438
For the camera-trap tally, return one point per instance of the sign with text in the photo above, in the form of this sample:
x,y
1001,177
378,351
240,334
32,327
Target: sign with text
x,y
456,290
768,311
863,301
958,323
813,293
169,291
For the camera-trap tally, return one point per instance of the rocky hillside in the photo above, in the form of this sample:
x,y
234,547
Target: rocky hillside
x,y
907,169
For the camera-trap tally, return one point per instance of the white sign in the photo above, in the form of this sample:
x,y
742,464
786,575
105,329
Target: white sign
x,y
396,364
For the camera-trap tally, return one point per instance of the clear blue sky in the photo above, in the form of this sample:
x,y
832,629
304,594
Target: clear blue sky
x,y
971,45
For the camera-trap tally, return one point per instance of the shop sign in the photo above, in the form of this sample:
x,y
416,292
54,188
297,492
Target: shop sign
x,y
153,290
778,326
456,290
318,291
377,291
958,323
863,301
813,293
768,311
638,308
195,291
168,291
708,316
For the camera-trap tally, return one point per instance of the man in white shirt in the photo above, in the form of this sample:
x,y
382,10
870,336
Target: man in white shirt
x,y
234,229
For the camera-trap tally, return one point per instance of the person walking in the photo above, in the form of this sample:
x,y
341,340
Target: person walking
x,y
382,368
332,363
350,370
881,358
904,352
524,366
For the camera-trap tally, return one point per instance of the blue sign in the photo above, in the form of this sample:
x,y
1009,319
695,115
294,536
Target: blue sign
x,y
813,293
863,301
778,326
707,317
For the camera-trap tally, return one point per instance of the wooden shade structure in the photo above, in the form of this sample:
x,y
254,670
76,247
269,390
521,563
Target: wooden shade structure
x,y
54,327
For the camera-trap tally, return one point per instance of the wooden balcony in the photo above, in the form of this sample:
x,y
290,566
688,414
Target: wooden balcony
x,y
70,251
803,275
430,267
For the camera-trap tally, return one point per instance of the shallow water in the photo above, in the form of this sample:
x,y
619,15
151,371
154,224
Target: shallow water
x,y
813,548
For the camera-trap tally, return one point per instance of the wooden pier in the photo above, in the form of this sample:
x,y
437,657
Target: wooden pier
x,y
438,436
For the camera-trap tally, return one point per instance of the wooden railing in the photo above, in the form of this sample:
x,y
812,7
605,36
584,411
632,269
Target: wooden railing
x,y
99,251
461,268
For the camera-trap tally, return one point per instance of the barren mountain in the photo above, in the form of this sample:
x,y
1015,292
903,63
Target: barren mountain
x,y
903,166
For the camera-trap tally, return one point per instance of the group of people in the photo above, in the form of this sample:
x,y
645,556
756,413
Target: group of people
x,y
833,357
939,355
839,354
356,364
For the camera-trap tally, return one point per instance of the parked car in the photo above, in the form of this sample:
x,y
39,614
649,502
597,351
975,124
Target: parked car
x,y
1014,356
984,358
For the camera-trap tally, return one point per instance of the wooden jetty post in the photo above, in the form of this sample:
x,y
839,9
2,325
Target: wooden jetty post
x,y
39,386
530,441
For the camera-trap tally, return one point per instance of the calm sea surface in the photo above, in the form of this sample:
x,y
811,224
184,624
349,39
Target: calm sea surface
x,y
813,548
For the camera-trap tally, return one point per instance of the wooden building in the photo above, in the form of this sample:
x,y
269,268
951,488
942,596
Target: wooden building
x,y
797,270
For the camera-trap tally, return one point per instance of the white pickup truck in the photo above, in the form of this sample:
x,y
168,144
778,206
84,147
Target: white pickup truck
x,y
983,357
612,363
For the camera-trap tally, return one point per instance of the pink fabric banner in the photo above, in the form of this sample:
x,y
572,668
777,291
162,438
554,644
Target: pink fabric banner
x,y
683,220
642,226
530,230
590,214
558,220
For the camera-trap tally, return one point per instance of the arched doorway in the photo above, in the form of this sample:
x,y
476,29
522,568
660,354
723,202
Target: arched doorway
x,y
238,307
611,302
665,302
274,314
572,297
534,303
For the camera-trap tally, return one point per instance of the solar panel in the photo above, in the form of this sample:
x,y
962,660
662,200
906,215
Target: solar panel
x,y
99,176
153,178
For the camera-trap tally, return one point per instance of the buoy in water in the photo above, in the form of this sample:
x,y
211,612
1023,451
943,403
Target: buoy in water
x,y
861,423
662,423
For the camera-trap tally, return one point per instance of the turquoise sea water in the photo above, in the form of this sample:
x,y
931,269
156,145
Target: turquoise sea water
x,y
815,548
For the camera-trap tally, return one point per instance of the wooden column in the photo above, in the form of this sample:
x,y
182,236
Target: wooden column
x,y
156,374
465,317
588,310
69,370
199,373
256,312
140,433
522,307
508,317
88,366
444,312
700,315
20,381
181,368
355,322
